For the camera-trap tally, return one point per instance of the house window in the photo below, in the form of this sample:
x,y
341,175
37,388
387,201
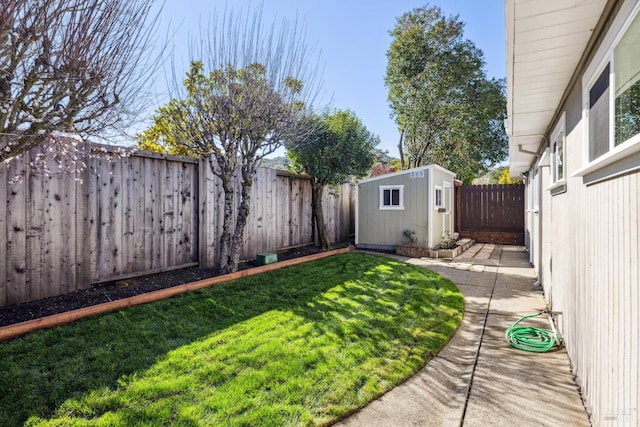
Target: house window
x,y
535,188
599,115
558,158
626,60
391,197
611,98
437,197
557,152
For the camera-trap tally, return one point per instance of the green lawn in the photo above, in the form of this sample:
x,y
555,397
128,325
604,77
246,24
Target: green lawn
x,y
305,345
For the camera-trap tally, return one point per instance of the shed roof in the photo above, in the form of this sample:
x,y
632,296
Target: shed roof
x,y
402,172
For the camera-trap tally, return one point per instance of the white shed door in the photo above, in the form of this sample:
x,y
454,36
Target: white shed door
x,y
447,203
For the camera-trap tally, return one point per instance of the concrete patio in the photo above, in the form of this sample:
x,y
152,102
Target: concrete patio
x,y
478,379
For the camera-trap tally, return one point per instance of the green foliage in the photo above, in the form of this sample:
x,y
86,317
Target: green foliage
x,y
395,164
447,241
340,148
228,112
161,136
442,101
280,162
495,174
305,345
505,178
382,156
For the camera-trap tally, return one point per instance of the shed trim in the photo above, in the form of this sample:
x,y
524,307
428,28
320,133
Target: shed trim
x,y
408,171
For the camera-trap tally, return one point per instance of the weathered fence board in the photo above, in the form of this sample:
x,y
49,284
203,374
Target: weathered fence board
x,y
141,214
280,213
16,238
3,234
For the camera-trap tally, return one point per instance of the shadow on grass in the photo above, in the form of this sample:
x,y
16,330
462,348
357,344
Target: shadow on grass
x,y
304,328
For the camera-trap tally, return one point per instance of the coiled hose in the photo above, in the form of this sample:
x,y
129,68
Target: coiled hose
x,y
527,338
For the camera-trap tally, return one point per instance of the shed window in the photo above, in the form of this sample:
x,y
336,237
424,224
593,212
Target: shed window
x,y
438,196
391,197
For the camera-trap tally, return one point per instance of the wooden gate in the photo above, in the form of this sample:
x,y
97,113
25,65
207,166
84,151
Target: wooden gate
x,y
491,213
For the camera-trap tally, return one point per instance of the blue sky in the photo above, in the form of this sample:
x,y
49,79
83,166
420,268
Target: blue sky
x,y
353,36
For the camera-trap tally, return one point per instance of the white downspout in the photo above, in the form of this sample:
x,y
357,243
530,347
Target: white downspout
x,y
357,203
430,187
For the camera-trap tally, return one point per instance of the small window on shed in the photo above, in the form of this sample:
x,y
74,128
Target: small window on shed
x,y
437,196
391,197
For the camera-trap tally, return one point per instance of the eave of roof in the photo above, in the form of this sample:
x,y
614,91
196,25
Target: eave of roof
x,y
545,42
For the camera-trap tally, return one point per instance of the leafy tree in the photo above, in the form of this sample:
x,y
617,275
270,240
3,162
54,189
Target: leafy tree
x,y
505,178
495,174
160,137
447,111
502,175
382,156
341,147
383,169
75,66
249,104
384,163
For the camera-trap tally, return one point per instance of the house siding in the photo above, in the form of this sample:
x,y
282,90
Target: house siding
x,y
588,265
385,227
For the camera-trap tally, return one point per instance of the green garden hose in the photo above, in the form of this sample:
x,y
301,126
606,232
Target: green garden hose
x,y
536,340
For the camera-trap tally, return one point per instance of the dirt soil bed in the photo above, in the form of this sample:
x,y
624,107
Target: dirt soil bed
x,y
113,291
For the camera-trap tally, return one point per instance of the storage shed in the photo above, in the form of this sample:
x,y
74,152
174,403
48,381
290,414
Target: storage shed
x,y
416,201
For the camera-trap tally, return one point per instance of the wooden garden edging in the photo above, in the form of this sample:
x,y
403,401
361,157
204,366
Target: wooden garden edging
x,y
17,329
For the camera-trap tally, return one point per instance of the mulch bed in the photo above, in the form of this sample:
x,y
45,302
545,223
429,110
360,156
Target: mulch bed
x,y
112,291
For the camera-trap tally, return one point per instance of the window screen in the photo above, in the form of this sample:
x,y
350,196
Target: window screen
x,y
391,197
599,116
558,158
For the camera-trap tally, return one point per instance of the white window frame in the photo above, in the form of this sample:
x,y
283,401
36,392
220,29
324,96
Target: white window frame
x,y
437,188
384,207
536,189
604,55
558,143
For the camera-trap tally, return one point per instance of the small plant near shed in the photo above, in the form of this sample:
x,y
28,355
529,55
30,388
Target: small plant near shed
x,y
409,237
447,241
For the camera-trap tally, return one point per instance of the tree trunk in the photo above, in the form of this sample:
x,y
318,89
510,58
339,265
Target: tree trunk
x,y
400,149
316,206
224,245
241,222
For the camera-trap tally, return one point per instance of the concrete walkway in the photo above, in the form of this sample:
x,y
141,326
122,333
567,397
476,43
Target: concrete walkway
x,y
478,379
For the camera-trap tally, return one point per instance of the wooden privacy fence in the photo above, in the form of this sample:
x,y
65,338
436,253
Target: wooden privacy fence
x,y
491,213
137,215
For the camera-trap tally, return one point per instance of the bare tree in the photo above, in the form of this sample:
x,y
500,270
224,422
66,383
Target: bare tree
x,y
71,66
248,93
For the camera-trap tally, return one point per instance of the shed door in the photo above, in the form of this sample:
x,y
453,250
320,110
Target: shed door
x,y
447,203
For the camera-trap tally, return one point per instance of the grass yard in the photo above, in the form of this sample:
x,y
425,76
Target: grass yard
x,y
306,345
